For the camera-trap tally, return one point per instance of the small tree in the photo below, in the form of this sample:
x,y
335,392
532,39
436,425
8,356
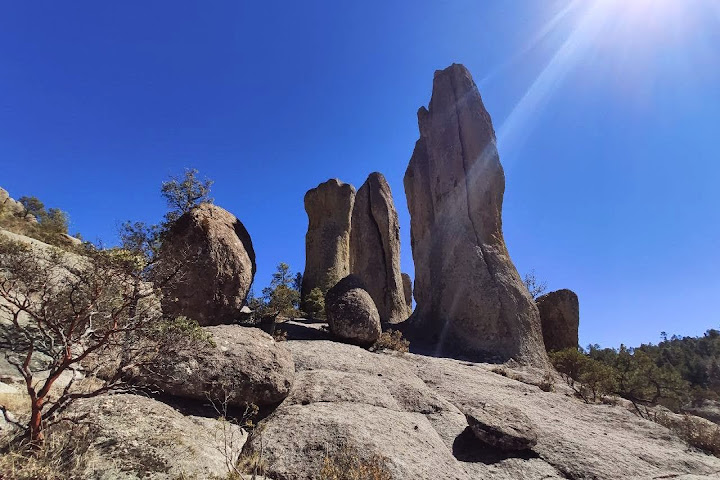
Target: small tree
x,y
535,287
184,193
315,304
33,206
63,310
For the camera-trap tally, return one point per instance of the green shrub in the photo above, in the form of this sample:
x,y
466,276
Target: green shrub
x,y
314,304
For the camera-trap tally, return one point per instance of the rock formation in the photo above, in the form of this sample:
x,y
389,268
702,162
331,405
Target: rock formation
x,y
217,266
351,313
375,248
407,290
560,318
502,427
243,362
327,242
410,409
469,297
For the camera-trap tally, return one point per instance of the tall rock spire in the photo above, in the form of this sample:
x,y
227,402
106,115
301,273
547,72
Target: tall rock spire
x,y
375,248
469,297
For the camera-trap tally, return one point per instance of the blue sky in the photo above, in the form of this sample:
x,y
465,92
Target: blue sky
x,y
607,114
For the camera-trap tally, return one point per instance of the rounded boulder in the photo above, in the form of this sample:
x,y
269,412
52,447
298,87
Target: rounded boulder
x,y
351,312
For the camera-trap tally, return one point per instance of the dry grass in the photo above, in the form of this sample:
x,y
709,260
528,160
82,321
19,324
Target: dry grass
x,y
697,432
61,458
348,465
17,403
392,340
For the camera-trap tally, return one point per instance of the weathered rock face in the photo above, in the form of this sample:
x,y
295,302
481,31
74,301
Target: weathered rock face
x,y
375,248
351,312
469,297
11,206
132,437
560,318
218,266
502,427
407,289
409,409
327,242
244,363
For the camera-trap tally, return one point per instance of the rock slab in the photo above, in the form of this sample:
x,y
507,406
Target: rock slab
x,y
560,318
242,364
351,312
470,299
327,242
502,427
375,248
217,266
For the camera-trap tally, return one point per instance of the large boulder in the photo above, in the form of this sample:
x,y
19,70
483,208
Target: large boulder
x,y
217,266
133,437
242,365
470,300
560,318
351,312
375,248
327,242
503,427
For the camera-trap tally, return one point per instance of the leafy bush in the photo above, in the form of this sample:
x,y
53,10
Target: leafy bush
x,y
392,340
590,379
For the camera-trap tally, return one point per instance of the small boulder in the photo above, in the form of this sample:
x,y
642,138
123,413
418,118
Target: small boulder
x,y
351,312
503,427
243,364
217,266
560,319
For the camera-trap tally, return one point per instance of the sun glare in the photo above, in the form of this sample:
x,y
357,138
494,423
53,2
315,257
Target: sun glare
x,y
620,39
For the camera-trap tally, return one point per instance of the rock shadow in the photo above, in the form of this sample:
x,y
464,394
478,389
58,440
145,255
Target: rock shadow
x,y
302,329
468,448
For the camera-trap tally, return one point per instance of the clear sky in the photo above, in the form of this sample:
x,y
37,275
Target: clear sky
x,y
607,114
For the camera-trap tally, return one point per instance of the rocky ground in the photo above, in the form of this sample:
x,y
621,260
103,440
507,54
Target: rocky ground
x,y
408,408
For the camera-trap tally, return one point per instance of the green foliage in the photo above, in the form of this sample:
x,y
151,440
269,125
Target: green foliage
x,y
185,328
51,226
184,193
590,379
280,299
33,206
695,359
631,374
314,305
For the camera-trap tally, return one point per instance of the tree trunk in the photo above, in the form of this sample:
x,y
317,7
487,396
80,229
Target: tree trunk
x,y
37,436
